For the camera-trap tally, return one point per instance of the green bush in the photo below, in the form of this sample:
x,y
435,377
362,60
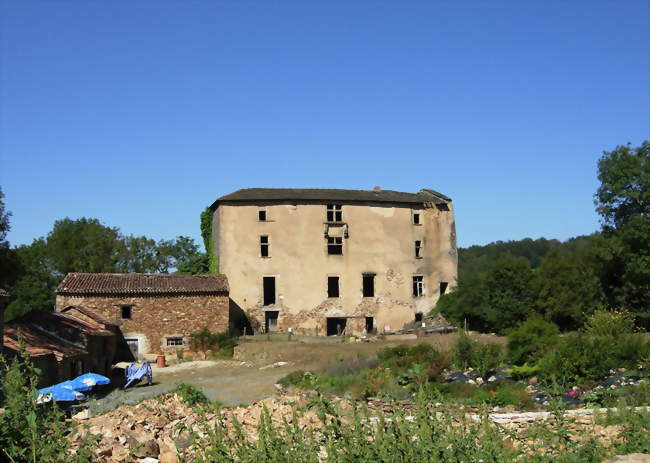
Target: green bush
x,y
524,371
190,395
610,323
222,344
32,432
463,351
483,357
528,341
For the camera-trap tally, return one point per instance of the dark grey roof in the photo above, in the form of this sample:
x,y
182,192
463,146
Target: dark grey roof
x,y
322,194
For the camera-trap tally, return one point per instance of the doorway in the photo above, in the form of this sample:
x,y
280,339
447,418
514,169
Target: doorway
x,y
271,320
336,326
269,290
133,344
370,325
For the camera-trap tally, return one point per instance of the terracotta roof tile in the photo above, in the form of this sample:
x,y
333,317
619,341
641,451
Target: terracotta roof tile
x,y
90,314
39,341
141,284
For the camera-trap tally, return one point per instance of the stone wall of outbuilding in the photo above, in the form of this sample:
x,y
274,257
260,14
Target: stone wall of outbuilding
x,y
154,318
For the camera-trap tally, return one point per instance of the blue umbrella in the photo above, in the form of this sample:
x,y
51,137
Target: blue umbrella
x,y
86,381
59,394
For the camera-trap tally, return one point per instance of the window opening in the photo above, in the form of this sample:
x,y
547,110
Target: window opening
x,y
126,312
370,324
418,286
264,246
334,245
269,290
332,286
261,215
334,213
418,249
418,317
175,341
443,287
369,285
416,218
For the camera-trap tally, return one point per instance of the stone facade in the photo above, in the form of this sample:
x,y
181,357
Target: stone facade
x,y
283,234
153,313
154,319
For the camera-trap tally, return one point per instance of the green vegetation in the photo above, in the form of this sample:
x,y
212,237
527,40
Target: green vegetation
x,y
427,435
206,234
31,432
529,340
84,245
190,395
221,345
503,284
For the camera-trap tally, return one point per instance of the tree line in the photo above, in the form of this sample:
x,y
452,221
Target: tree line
x,y
502,284
32,272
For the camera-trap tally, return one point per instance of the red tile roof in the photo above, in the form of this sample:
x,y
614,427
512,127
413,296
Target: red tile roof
x,y
90,314
39,341
74,322
113,284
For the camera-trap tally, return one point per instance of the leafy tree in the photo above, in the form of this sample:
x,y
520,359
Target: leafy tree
x,y
197,265
7,258
530,339
83,245
35,280
623,201
567,289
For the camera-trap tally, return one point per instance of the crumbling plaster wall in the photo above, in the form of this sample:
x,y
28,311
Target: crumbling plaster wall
x,y
154,318
381,241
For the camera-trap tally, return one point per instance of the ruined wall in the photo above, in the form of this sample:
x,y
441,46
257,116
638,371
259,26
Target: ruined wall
x,y
154,318
381,240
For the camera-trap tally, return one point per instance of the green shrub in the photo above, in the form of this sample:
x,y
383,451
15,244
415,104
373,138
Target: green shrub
x,y
190,395
528,341
299,378
463,351
222,344
524,371
31,432
610,323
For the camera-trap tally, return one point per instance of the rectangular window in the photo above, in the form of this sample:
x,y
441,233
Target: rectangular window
x,y
332,286
418,286
443,287
175,341
416,218
334,213
335,245
268,284
369,285
264,246
126,312
418,249
261,214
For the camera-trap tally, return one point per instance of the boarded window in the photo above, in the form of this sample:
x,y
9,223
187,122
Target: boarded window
x,y
418,286
332,286
126,312
334,245
334,213
418,249
416,218
264,246
175,341
261,214
368,284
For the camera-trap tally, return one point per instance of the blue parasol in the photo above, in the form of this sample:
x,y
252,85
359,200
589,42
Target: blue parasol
x,y
59,394
86,381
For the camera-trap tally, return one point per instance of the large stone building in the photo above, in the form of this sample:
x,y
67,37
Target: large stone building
x,y
155,313
325,261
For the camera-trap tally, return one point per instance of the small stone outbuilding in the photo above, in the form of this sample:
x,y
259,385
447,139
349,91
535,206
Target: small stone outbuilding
x,y
155,313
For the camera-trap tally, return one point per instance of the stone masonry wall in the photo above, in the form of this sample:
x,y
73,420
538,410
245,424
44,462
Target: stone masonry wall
x,y
154,318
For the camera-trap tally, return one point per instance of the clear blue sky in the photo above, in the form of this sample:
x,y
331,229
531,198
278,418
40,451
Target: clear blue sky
x,y
142,113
